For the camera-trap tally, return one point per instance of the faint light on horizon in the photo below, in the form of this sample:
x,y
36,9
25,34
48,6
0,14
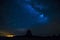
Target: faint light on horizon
x,y
6,34
10,35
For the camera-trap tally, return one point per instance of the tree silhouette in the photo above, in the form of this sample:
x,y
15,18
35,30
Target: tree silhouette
x,y
28,33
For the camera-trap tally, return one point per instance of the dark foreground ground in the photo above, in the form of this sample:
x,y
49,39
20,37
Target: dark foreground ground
x,y
31,38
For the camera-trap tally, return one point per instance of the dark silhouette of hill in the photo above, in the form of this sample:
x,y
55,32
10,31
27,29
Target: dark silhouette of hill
x,y
29,36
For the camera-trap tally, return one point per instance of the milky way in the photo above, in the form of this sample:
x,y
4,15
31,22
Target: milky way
x,y
21,15
35,16
17,14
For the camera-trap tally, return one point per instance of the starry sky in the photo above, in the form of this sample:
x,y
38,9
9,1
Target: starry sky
x,y
42,17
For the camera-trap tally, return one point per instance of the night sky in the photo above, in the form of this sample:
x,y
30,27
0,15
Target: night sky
x,y
42,17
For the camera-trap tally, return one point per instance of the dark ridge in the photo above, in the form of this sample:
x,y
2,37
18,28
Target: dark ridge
x,y
29,36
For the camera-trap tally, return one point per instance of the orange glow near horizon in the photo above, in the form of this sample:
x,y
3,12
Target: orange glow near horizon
x,y
9,35
6,34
